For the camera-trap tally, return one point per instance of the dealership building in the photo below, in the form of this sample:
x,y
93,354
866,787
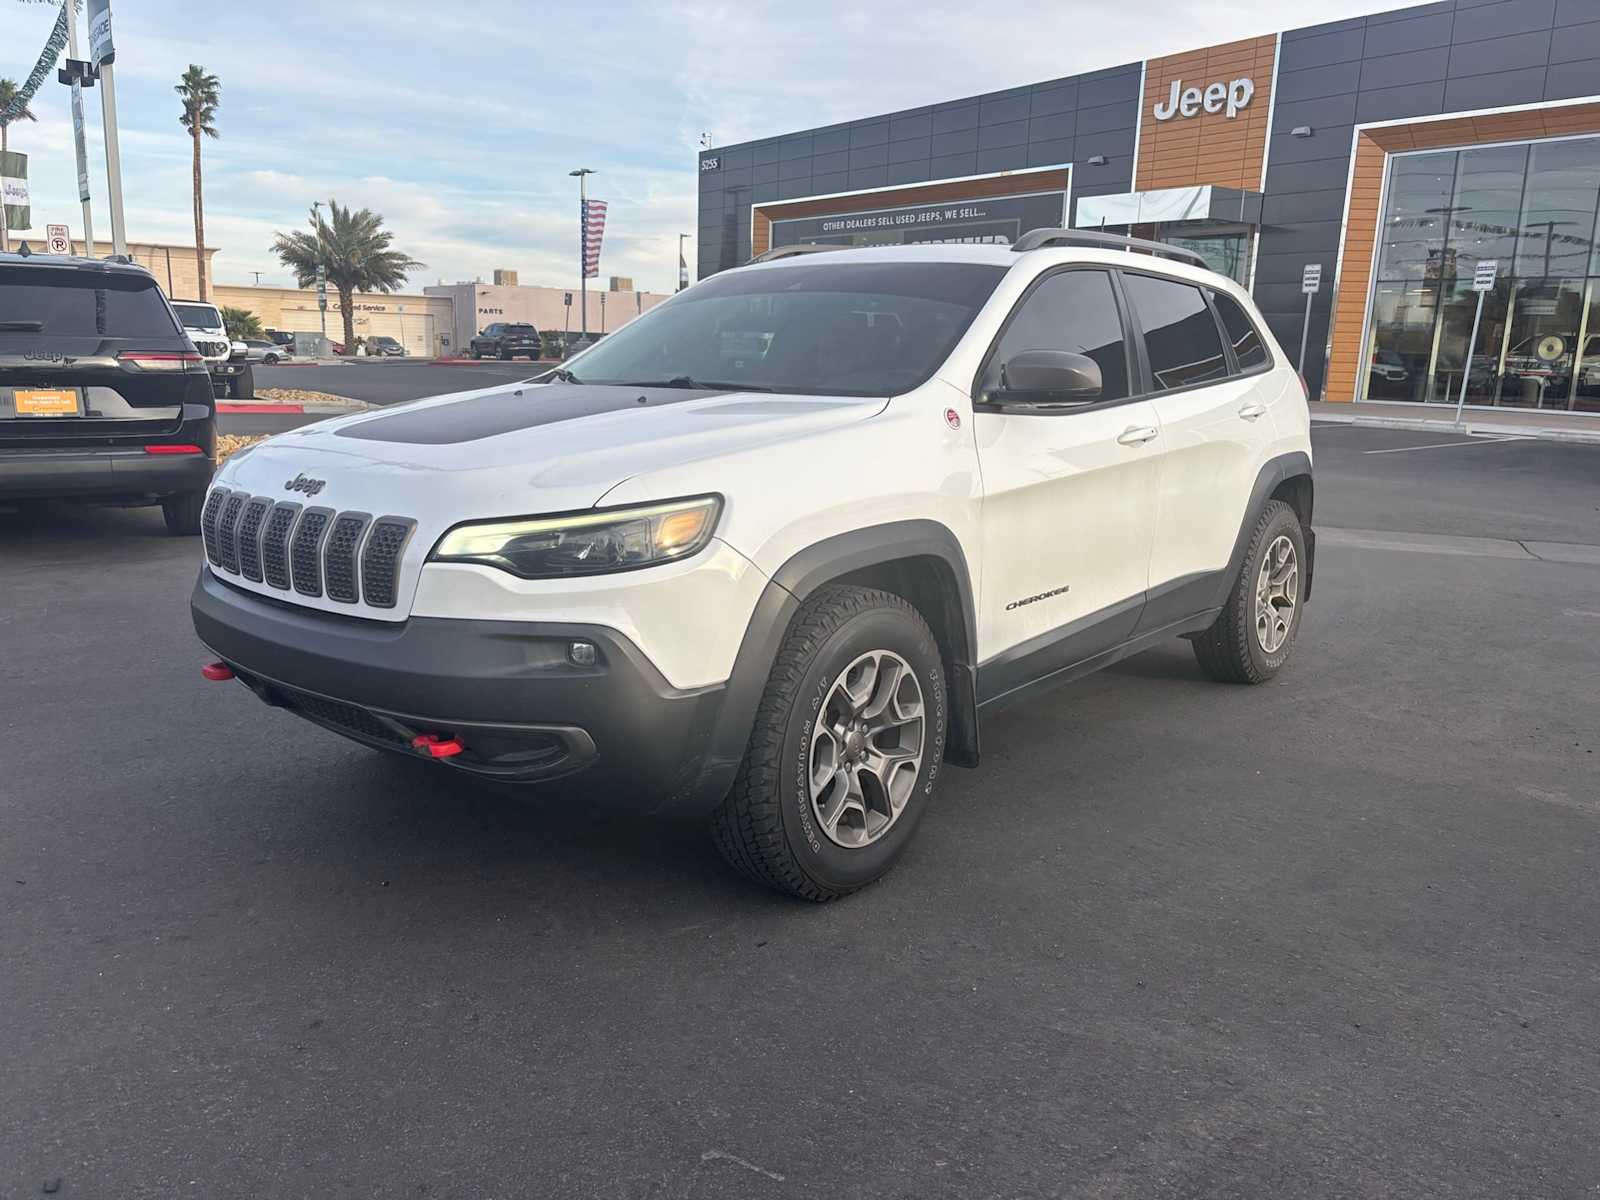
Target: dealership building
x,y
1402,153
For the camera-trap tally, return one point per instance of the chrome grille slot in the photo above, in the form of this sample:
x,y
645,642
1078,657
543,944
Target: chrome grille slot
x,y
339,560
227,527
380,561
275,544
249,537
305,552
208,523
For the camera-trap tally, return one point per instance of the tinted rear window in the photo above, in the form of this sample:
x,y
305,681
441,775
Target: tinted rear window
x,y
1180,334
521,330
1247,345
82,304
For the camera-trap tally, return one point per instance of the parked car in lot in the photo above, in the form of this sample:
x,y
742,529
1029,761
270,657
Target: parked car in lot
x,y
226,359
102,395
384,346
775,549
267,353
506,340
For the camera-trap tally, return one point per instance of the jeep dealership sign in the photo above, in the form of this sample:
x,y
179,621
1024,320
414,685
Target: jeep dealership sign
x,y
1226,98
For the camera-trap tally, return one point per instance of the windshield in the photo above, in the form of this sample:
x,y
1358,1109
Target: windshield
x,y
199,316
848,329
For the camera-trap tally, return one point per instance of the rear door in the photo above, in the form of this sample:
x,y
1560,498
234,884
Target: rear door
x,y
1069,495
61,331
1216,426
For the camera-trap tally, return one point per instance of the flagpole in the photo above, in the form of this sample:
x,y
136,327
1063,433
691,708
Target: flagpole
x,y
583,243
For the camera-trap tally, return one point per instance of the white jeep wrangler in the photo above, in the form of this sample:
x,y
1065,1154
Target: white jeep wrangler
x,y
771,551
227,361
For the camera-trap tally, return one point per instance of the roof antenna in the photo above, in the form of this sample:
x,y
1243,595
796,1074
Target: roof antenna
x,y
25,250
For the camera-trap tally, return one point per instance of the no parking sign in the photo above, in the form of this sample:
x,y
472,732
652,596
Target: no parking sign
x,y
57,239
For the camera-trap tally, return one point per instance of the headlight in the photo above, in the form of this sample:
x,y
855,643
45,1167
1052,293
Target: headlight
x,y
592,543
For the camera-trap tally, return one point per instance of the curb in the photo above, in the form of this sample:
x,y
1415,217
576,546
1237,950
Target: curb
x,y
1576,436
268,407
478,362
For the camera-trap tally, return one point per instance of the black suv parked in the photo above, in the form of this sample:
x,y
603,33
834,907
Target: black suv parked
x,y
102,395
504,340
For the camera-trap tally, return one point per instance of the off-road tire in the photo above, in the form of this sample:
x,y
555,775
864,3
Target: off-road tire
x,y
243,385
1229,651
182,513
505,356
765,827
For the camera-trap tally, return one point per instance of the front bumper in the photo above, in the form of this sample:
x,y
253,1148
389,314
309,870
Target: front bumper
x,y
506,689
227,369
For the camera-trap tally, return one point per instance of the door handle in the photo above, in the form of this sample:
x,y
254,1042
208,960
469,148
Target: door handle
x,y
1251,411
1137,435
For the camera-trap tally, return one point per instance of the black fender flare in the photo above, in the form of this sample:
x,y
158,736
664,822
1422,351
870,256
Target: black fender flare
x,y
1273,472
790,586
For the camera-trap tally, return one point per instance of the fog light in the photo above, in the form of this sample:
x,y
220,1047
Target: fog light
x,y
582,654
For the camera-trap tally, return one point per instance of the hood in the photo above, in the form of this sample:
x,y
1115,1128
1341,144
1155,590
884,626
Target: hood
x,y
510,451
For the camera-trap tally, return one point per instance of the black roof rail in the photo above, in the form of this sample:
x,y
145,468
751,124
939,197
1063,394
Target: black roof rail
x,y
1038,239
790,251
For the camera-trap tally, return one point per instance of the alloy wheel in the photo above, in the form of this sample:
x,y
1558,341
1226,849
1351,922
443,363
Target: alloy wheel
x,y
1277,594
866,749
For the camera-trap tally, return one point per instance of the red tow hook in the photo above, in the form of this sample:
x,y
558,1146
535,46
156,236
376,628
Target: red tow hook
x,y
217,671
435,746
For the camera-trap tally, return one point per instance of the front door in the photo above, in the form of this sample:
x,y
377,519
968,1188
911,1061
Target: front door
x,y
1069,495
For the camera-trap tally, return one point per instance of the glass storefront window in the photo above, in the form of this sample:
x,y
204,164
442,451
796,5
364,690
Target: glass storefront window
x,y
1414,221
1532,209
1558,209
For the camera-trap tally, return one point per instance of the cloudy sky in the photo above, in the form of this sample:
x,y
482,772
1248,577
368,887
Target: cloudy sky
x,y
459,122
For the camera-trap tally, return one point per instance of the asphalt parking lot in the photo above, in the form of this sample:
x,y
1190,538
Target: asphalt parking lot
x,y
1334,936
389,381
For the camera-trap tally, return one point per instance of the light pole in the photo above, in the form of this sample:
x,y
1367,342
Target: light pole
x,y
77,133
683,264
322,270
583,243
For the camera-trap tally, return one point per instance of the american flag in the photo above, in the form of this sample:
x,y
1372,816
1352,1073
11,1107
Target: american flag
x,y
594,232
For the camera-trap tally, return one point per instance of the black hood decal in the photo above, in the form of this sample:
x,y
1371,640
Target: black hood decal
x,y
510,410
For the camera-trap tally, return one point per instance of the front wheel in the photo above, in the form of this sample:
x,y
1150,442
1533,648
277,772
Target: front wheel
x,y
505,356
846,749
243,385
1251,638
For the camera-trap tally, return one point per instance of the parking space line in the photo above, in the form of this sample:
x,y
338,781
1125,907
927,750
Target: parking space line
x,y
1471,440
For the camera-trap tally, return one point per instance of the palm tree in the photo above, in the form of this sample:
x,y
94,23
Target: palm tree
x,y
201,97
241,323
10,93
354,249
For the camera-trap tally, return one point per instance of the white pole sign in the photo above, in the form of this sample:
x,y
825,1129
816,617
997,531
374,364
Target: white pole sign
x,y
1310,285
57,239
1483,284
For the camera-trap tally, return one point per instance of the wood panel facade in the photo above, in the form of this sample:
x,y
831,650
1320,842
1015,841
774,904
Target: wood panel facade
x,y
1207,147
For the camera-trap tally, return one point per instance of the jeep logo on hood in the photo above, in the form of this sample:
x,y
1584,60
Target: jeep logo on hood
x,y
304,483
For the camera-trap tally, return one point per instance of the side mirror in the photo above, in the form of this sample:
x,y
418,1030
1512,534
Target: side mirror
x,y
1047,377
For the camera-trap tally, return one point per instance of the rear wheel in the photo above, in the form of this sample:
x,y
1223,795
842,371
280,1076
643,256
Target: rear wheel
x,y
182,513
1251,638
270,360
846,748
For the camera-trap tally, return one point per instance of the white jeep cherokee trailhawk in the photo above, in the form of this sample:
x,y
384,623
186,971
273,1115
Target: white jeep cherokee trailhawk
x,y
771,550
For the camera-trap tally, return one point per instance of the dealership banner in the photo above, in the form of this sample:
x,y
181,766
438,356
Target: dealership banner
x,y
998,221
594,231
14,185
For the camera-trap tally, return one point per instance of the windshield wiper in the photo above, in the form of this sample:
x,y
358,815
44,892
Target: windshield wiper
x,y
685,381
22,326
564,375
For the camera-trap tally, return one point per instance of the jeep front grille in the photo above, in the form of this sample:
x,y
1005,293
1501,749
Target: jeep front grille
x,y
346,556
